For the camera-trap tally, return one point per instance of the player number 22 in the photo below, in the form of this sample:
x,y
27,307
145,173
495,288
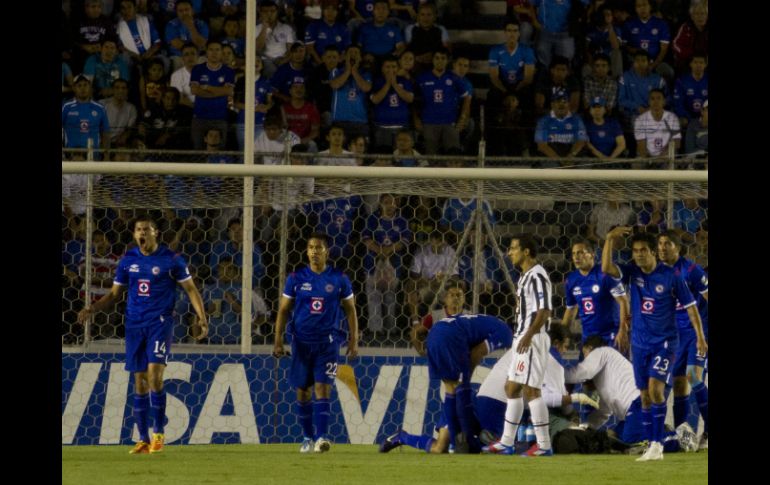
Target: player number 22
x,y
331,369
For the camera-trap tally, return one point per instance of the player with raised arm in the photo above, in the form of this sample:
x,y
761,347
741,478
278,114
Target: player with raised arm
x,y
313,297
590,294
655,289
689,364
149,272
531,344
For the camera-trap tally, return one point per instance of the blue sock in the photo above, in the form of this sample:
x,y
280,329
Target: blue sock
x,y
141,412
321,411
647,423
421,442
681,406
466,418
450,413
658,421
702,397
158,410
305,413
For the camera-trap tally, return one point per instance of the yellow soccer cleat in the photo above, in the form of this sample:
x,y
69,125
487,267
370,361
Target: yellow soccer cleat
x,y
140,448
156,446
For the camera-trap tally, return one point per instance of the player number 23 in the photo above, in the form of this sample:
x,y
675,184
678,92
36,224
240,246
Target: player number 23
x,y
658,362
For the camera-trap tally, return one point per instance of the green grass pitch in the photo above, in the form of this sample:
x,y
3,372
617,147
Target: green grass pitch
x,y
361,464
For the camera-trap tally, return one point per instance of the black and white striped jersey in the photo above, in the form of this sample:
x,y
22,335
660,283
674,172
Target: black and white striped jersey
x,y
534,294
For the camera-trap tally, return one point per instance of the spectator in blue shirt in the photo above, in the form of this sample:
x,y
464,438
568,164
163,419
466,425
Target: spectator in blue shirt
x,y
554,37
691,91
605,137
560,134
184,28
391,97
379,37
648,33
326,31
349,88
635,86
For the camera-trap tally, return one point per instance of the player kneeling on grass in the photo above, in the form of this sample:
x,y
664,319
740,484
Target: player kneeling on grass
x,y
150,273
313,296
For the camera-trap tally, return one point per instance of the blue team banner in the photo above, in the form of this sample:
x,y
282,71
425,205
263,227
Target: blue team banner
x,y
225,398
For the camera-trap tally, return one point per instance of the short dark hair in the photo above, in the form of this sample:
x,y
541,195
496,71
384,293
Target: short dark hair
x,y
119,80
510,21
594,341
647,238
187,45
145,217
321,236
558,61
332,48
441,50
234,220
558,333
602,57
656,90
267,3
674,237
273,120
526,241
585,242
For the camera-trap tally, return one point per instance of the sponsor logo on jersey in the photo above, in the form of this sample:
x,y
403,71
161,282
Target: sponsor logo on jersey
x,y
577,291
134,268
306,287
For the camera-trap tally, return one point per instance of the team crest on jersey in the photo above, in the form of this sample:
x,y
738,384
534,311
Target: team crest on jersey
x,y
144,288
648,306
155,270
329,288
448,82
316,305
588,306
94,113
306,287
221,79
654,31
659,289
134,268
595,288
568,126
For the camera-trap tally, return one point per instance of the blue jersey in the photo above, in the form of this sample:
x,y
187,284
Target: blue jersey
x,y
646,35
211,108
81,121
457,212
151,283
317,313
385,232
321,35
594,295
553,15
511,65
349,101
262,89
689,96
603,136
286,75
392,110
365,8
175,29
634,90
237,43
379,40
569,130
441,97
335,218
105,73
599,40
698,283
653,305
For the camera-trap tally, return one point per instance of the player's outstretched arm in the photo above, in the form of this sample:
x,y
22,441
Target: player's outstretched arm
x,y
103,303
417,337
621,339
608,266
349,306
197,302
284,307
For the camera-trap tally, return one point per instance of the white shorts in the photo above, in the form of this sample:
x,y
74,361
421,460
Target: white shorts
x,y
529,368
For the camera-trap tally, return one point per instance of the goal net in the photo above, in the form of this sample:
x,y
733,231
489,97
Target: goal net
x,y
452,222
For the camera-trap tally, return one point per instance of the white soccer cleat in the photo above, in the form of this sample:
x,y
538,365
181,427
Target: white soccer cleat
x,y
704,442
654,452
322,445
307,446
686,437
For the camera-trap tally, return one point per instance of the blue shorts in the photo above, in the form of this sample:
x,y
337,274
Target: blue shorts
x,y
313,363
449,355
148,345
491,414
631,430
687,354
657,362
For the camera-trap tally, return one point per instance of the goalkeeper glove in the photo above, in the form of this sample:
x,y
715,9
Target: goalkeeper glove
x,y
583,399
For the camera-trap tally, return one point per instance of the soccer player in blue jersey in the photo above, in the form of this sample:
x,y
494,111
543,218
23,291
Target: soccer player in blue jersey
x,y
655,289
455,345
149,272
592,295
689,364
313,296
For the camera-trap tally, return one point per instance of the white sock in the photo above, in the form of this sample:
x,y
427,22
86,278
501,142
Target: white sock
x,y
513,412
539,413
